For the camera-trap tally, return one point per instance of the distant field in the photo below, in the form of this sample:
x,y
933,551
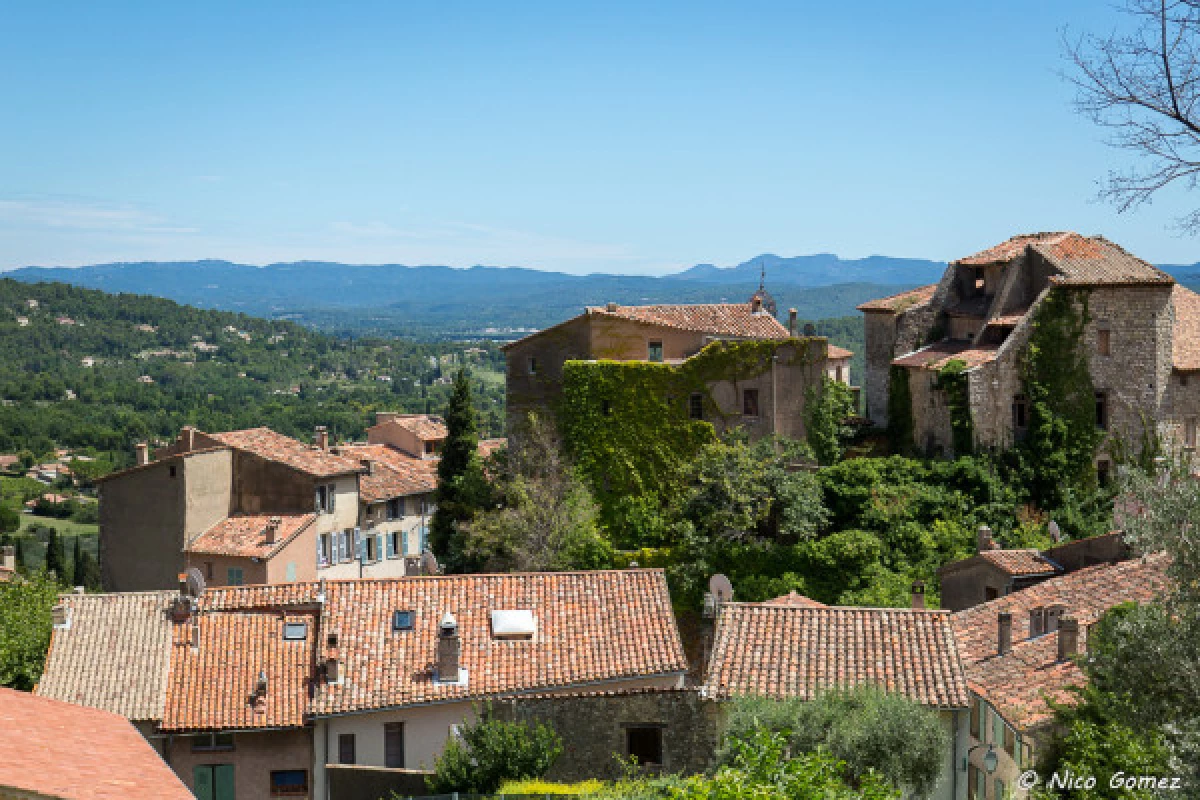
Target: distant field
x,y
35,549
65,527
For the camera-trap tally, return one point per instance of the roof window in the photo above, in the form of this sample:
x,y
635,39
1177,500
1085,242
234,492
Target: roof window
x,y
513,624
402,620
295,631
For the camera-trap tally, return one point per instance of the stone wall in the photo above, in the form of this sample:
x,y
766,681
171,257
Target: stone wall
x,y
594,729
527,391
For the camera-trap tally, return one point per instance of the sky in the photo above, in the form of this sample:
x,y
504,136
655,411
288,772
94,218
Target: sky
x,y
581,137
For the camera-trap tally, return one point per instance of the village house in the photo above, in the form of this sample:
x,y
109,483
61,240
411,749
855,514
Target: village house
x,y
346,689
8,563
1141,338
254,506
994,572
768,399
1019,650
796,647
62,751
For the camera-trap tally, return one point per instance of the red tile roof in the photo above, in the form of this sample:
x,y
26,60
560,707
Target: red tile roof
x,y
246,534
1185,347
489,446
266,443
591,627
938,354
794,599
1010,248
901,302
113,655
1018,683
797,651
216,660
1080,260
722,319
1020,562
55,749
393,474
838,352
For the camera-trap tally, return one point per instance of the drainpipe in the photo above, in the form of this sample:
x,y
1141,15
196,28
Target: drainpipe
x,y
774,395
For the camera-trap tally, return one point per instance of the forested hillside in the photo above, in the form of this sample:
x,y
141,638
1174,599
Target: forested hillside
x,y
83,369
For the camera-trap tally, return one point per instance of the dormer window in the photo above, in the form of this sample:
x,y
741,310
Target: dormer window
x,y
513,624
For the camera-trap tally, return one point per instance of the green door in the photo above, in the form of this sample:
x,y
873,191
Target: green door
x,y
202,782
223,783
213,782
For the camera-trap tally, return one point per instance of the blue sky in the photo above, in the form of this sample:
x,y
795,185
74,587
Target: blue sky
x,y
626,137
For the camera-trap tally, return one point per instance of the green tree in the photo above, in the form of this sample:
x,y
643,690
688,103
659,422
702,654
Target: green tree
x,y
489,751
826,411
25,627
10,520
56,556
86,570
462,488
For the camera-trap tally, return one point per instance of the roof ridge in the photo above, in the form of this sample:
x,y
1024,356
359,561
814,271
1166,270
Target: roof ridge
x,y
785,606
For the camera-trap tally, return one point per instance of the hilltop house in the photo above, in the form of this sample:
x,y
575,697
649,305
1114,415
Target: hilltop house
x,y
1141,336
347,689
796,647
1018,653
764,397
255,506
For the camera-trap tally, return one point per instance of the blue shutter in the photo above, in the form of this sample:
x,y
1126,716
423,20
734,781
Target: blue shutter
x,y
360,546
424,537
319,554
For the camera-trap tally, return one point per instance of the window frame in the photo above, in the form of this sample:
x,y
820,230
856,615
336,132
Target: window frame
x,y
241,576
750,404
1104,341
298,792
345,739
1103,411
389,730
654,348
696,405
213,746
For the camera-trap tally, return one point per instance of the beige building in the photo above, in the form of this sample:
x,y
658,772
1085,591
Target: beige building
x,y
1141,339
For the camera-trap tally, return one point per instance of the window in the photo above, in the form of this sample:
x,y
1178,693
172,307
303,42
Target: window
x,y
323,554
346,551
289,572
208,570
431,448
1037,622
171,471
1189,432
1103,469
295,631
346,748
644,744
696,406
391,544
1102,410
513,624
1020,412
393,745
402,620
750,402
395,508
533,365
371,549
287,782
1104,342
213,741
655,352
234,575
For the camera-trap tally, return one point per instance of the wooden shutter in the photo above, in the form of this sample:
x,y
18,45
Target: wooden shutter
x,y
223,782
202,782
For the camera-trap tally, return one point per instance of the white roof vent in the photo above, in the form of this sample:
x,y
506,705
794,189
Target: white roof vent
x,y
513,624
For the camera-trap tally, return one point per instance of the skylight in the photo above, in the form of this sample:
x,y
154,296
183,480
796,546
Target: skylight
x,y
513,624
295,631
402,620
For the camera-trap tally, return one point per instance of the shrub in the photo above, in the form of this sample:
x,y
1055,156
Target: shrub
x,y
489,752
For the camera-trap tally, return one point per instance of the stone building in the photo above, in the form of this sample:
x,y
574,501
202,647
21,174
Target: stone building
x,y
766,400
1142,341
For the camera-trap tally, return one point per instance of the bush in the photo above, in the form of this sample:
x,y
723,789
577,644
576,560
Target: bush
x,y
489,752
539,787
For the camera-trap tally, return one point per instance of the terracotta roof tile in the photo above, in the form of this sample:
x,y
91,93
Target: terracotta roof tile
x,y
113,655
938,354
422,426
901,302
1080,260
1020,562
393,473
838,352
56,749
797,651
1018,683
266,443
489,446
1011,248
246,534
216,659
721,319
794,599
1185,348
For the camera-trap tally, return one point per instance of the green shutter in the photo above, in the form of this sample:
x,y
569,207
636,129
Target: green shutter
x,y
202,782
223,780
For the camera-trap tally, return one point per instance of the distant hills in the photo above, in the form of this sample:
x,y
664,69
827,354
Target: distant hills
x,y
438,301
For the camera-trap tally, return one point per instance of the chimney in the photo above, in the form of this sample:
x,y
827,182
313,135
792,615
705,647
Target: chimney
x,y
272,530
8,558
918,594
792,322
610,307
370,465
984,539
322,437
182,579
331,670
1068,638
187,439
260,688
58,615
448,650
756,304
1005,627
141,453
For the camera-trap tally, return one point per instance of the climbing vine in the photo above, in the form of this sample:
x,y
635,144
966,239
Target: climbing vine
x,y
826,410
1061,445
952,379
899,412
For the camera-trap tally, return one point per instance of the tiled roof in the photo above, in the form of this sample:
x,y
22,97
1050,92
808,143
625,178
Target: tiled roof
x,y
216,659
838,352
902,301
266,443
722,319
423,426
794,599
1185,348
1019,562
55,749
1018,683
489,446
1010,248
246,534
591,627
938,354
797,651
1080,260
393,474
114,654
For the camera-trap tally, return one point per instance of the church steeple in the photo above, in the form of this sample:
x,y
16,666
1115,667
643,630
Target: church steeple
x,y
762,295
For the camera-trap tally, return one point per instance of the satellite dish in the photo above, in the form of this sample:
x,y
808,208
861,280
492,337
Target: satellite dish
x,y
195,582
721,588
429,564
1054,531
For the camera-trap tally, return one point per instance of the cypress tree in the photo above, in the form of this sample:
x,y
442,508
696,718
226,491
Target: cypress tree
x,y
56,556
86,570
462,489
